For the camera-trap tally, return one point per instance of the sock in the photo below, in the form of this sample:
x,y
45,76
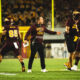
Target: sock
x,y
22,64
76,60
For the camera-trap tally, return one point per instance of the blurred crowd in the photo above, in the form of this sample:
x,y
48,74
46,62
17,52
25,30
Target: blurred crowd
x,y
63,9
24,12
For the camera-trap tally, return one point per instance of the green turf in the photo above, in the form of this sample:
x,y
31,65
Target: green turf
x,y
54,67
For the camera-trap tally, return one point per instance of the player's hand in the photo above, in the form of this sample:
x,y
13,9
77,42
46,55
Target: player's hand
x,y
67,31
25,41
58,33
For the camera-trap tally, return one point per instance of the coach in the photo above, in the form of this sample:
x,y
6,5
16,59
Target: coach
x,y
37,31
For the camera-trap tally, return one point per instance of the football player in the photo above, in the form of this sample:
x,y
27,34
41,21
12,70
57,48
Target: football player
x,y
11,32
77,52
71,37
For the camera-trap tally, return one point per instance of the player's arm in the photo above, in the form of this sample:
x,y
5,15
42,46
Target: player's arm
x,y
27,35
3,31
67,25
67,29
19,35
3,35
51,32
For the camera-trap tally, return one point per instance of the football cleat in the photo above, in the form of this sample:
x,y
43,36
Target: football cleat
x,y
74,68
23,69
29,71
67,65
44,70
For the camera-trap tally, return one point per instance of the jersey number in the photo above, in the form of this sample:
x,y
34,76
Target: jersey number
x,y
13,33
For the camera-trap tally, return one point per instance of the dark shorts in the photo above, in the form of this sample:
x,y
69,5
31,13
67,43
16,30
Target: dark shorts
x,y
71,45
10,45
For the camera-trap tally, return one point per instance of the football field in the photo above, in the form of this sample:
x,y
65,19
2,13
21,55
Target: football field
x,y
10,69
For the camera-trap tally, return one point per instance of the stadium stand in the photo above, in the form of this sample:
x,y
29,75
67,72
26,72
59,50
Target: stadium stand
x,y
24,12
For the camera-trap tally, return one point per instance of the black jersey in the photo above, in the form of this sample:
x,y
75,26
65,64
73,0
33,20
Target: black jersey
x,y
73,27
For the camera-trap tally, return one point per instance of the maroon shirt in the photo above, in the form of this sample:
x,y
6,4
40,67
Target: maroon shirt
x,y
12,32
37,32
